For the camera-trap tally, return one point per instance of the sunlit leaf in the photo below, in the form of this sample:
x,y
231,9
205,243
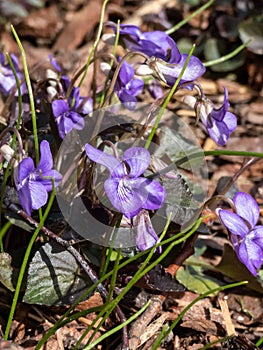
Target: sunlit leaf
x,y
195,280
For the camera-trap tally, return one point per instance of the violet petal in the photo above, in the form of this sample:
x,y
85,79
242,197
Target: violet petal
x,y
38,194
114,166
138,159
251,255
46,160
59,107
218,132
47,183
146,236
231,121
25,168
258,235
233,223
77,119
155,195
246,207
25,198
125,196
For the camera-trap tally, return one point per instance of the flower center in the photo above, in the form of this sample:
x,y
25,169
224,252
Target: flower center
x,y
124,189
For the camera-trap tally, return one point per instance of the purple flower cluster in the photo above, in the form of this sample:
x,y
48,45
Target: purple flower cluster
x,y
246,236
128,191
34,183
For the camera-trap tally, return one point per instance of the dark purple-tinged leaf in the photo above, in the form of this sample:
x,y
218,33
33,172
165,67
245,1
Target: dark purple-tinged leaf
x,y
51,274
159,280
227,26
252,30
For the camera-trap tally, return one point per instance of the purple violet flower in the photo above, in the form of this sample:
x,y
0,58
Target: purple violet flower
x,y
218,121
66,118
156,43
126,87
68,113
32,183
165,60
127,190
246,237
7,78
146,236
168,73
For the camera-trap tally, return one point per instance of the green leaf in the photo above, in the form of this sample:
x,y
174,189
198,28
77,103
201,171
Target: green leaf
x,y
216,48
6,271
194,279
51,273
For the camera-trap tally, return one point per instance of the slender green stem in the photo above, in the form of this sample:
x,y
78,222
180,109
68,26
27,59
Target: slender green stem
x,y
112,61
25,262
114,276
118,328
202,154
228,56
30,94
95,42
259,342
3,231
19,93
187,19
168,98
221,152
165,332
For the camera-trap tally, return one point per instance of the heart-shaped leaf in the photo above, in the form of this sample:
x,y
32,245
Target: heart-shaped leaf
x,y
51,273
195,280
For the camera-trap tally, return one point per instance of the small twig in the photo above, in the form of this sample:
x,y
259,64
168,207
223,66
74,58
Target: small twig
x,y
70,248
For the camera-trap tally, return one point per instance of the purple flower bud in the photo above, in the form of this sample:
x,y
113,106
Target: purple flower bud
x,y
218,121
146,236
